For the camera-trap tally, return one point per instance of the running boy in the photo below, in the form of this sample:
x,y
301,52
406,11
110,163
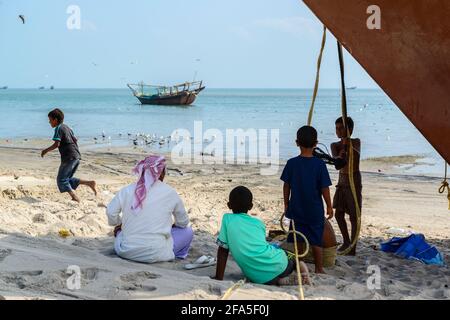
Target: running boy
x,y
306,181
245,237
66,142
343,200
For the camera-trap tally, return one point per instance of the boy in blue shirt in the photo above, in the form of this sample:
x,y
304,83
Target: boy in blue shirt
x,y
306,182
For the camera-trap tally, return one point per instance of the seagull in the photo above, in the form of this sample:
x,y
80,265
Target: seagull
x,y
22,17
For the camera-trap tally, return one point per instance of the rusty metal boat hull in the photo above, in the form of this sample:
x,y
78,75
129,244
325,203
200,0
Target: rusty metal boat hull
x,y
409,57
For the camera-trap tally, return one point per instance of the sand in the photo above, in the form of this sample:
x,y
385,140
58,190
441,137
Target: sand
x,y
34,259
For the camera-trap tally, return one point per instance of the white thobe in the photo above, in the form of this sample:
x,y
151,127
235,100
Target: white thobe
x,y
146,234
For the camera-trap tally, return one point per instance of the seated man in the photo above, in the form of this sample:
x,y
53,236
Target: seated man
x,y
145,232
245,237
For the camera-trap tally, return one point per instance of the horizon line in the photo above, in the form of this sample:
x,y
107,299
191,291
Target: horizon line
x,y
215,88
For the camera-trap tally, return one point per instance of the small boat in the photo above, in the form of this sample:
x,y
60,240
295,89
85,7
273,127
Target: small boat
x,y
180,94
52,87
352,88
4,88
41,88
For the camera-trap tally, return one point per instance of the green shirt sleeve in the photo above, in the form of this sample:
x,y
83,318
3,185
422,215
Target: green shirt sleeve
x,y
57,134
222,240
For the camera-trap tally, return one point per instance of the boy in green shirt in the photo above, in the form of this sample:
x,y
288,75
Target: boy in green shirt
x,y
245,237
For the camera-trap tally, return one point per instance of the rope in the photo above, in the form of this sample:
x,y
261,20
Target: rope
x,y
305,253
301,294
351,153
230,290
316,85
445,186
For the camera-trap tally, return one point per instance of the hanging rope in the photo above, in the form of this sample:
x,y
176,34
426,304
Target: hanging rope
x,y
316,85
351,153
301,295
445,186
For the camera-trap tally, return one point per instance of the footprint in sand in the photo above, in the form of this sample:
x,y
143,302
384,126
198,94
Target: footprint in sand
x,y
4,253
21,279
90,274
139,276
134,281
215,290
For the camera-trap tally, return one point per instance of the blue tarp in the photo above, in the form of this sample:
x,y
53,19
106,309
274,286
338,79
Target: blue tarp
x,y
414,247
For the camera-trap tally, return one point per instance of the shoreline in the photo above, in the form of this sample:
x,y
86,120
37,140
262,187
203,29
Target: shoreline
x,y
413,165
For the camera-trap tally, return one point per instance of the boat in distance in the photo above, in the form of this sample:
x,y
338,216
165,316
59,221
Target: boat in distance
x,y
180,94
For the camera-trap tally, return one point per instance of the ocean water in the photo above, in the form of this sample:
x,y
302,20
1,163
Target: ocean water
x,y
383,129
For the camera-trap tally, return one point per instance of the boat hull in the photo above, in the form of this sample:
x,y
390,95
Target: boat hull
x,y
181,99
408,57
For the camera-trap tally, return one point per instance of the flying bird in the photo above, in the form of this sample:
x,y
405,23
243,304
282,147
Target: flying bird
x,y
22,17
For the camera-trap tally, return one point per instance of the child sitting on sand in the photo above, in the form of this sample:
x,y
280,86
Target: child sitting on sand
x,y
306,181
245,237
343,200
66,142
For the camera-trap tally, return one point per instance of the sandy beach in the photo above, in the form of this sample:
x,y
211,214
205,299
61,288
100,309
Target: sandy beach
x,y
34,257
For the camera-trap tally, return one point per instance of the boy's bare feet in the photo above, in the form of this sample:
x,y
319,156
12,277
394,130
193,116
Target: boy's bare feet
x,y
74,197
292,280
352,252
93,185
320,271
343,247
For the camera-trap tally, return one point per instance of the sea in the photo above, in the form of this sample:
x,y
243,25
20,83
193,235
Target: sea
x,y
115,116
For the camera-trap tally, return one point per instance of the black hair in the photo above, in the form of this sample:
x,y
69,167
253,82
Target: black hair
x,y
56,114
240,200
307,137
350,123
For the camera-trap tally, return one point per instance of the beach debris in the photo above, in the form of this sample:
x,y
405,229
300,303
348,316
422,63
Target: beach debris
x,y
22,17
202,262
64,233
398,231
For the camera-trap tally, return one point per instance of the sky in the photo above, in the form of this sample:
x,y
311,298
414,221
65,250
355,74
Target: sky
x,y
228,44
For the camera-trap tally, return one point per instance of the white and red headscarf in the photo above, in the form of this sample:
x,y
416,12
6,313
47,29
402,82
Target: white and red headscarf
x,y
148,170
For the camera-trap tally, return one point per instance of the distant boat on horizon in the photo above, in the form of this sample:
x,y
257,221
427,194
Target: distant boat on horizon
x,y
4,88
41,88
52,87
180,94
352,88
